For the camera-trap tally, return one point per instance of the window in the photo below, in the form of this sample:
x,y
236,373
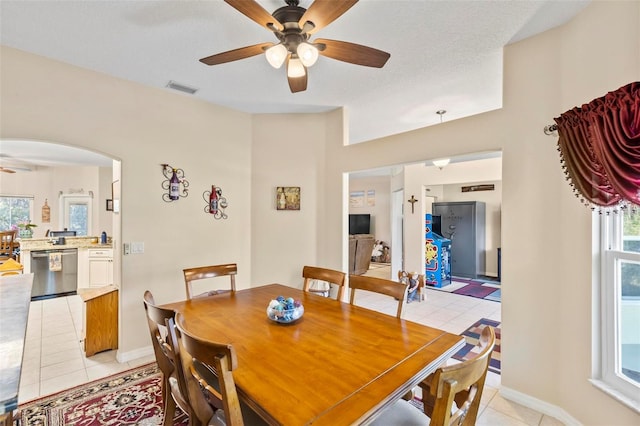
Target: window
x,y
76,214
14,210
619,334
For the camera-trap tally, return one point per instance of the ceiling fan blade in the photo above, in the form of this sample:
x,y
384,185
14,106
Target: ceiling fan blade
x,y
324,12
297,84
236,54
3,169
353,53
252,10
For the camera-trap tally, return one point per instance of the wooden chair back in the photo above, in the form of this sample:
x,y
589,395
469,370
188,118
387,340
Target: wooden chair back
x,y
7,245
311,273
462,383
166,359
420,290
218,358
206,272
394,289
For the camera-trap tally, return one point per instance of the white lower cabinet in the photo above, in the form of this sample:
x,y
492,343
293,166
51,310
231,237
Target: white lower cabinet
x,y
100,267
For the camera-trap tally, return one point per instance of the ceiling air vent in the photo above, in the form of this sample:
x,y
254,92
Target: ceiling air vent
x,y
181,87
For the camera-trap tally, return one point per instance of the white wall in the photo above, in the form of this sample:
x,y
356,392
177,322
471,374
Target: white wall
x,y
104,217
283,241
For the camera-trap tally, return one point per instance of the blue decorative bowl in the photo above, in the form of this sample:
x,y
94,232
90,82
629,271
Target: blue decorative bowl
x,y
284,311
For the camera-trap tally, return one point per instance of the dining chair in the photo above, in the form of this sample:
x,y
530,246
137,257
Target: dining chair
x,y
7,245
11,267
406,277
173,389
318,280
451,395
207,272
394,289
208,368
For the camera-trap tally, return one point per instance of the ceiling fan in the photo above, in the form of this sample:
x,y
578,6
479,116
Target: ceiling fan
x,y
293,25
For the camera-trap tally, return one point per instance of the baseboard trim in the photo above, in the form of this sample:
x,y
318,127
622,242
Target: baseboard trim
x,y
122,356
539,405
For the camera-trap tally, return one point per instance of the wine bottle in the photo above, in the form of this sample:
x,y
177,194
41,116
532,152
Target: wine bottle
x,y
213,201
174,186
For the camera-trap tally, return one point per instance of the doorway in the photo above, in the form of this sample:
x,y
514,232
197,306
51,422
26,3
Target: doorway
x,y
405,234
397,231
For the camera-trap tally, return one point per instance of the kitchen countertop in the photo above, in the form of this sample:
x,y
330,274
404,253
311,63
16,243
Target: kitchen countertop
x,y
35,244
15,298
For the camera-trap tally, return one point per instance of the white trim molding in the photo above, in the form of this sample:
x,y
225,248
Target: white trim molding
x,y
616,394
539,405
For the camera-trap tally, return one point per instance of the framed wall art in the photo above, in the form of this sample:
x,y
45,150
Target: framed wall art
x,y
356,199
371,197
288,198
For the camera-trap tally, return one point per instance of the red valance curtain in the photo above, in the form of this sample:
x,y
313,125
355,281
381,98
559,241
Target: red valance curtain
x,y
599,146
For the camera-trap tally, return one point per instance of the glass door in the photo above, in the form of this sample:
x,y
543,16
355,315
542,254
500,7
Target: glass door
x,y
76,214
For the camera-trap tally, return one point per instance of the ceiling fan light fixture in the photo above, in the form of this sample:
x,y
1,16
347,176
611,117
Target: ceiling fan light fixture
x,y
276,55
307,53
295,68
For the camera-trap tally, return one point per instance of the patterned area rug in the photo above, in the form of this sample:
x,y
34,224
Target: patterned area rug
x,y
132,397
480,288
470,350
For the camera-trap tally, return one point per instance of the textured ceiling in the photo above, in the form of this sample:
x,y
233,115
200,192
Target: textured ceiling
x,y
444,54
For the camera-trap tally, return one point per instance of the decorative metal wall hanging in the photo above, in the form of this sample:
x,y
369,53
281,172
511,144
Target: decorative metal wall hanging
x,y
216,203
175,184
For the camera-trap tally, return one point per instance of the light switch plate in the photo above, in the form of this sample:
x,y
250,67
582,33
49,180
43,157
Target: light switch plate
x,y
137,248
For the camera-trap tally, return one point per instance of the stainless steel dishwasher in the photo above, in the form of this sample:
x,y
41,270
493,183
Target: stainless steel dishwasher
x,y
55,273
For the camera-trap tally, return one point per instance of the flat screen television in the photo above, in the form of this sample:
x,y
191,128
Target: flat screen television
x,y
359,224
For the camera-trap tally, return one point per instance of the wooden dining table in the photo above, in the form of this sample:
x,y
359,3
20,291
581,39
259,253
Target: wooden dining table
x,y
339,364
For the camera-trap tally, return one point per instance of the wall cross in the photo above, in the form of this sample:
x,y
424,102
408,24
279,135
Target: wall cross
x,y
412,200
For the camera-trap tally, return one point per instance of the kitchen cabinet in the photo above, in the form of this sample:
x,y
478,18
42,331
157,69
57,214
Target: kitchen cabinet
x,y
100,267
99,319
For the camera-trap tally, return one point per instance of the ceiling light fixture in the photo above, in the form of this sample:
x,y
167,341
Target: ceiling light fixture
x,y
276,55
441,163
293,26
441,112
307,53
295,68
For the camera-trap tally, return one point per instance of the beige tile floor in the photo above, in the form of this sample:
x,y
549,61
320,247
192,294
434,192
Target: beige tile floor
x,y
54,359
53,355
